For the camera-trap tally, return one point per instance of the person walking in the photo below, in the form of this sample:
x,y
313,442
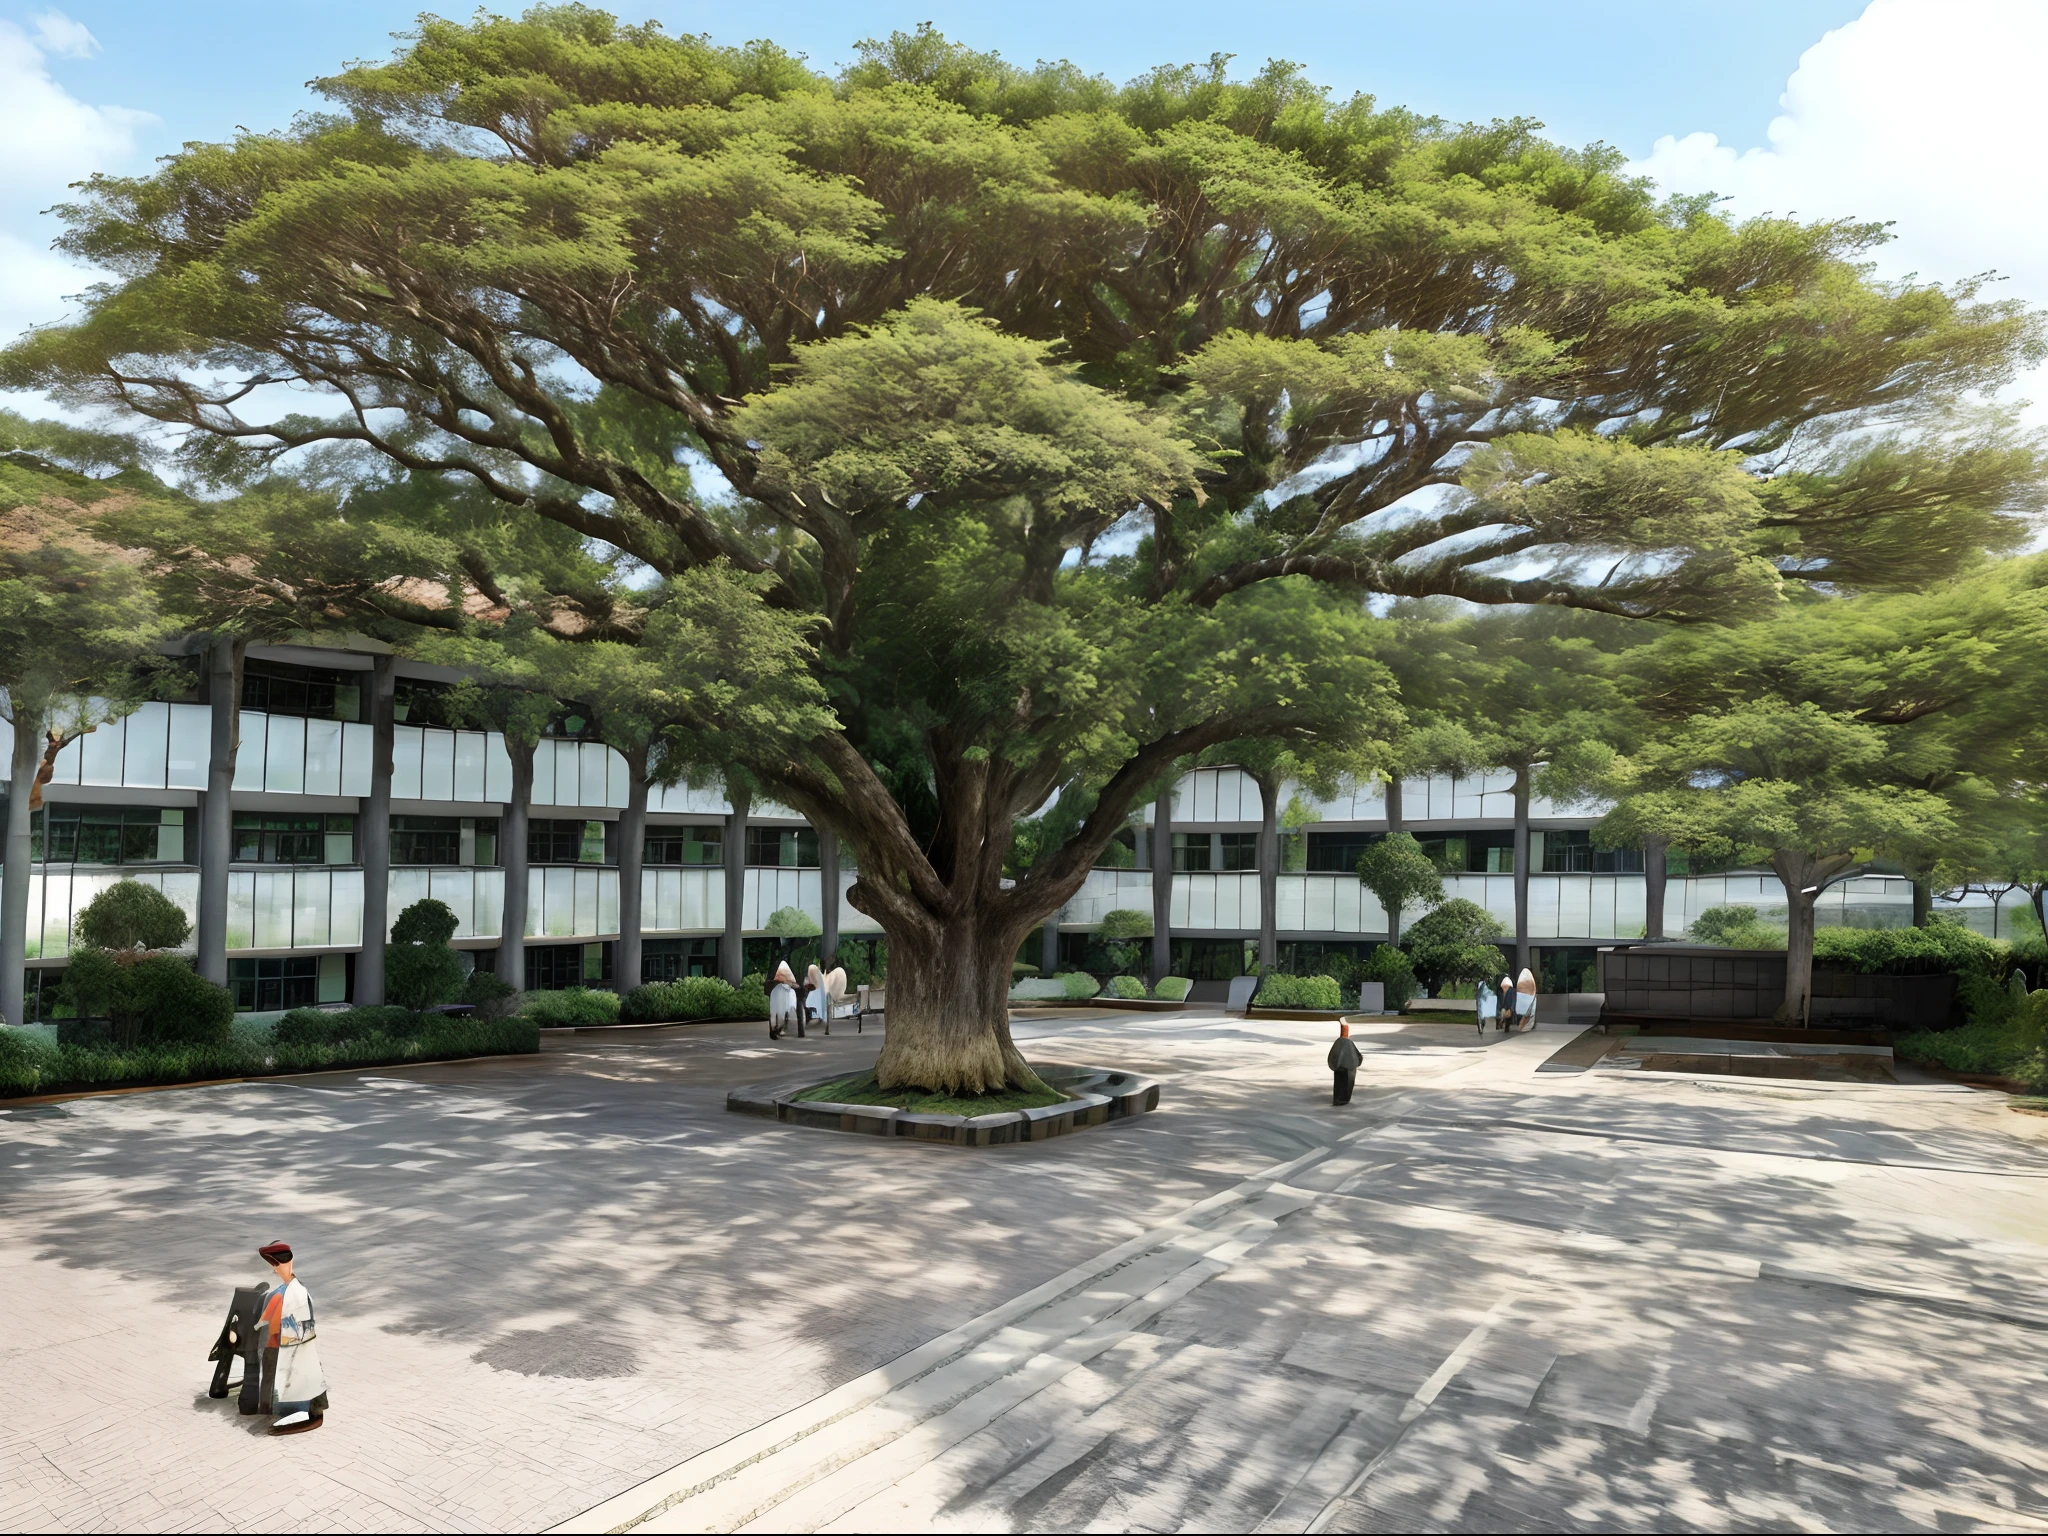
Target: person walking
x,y
1525,1000
783,1007
1504,1008
1487,1003
1344,1060
291,1358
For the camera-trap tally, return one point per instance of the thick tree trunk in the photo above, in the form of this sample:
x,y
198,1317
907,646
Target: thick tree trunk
x,y
1804,878
632,836
512,853
828,886
1923,902
1396,816
1269,873
373,838
1162,884
25,759
732,946
949,1006
1521,852
216,812
1654,880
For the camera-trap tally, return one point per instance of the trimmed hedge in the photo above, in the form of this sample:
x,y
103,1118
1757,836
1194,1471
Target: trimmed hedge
x,y
29,1065
1128,988
2015,1047
1079,985
691,997
1980,965
1276,991
573,1006
1173,989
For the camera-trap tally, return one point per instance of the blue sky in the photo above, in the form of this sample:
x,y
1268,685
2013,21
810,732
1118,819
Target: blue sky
x,y
1928,113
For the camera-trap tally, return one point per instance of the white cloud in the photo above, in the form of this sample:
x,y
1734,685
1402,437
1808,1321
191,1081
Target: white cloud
x,y
50,136
59,34
1931,114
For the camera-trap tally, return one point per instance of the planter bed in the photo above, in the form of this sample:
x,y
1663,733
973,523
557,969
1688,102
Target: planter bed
x,y
1095,1095
110,1090
1127,1004
1327,1015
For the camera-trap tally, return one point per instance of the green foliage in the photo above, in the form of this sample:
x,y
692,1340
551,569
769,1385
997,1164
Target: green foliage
x,y
1400,874
489,993
1942,947
1128,987
26,1060
753,996
862,1088
426,921
131,915
1125,923
1455,943
1079,986
417,976
1173,989
1735,927
322,1026
2015,1045
791,923
1392,968
690,997
1318,992
151,998
574,1006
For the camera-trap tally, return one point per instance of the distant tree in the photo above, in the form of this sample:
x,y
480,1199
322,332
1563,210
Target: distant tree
x,y
421,968
1401,875
1455,943
122,969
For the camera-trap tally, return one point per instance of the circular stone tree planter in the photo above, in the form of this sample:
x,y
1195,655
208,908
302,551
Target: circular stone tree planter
x,y
1095,1095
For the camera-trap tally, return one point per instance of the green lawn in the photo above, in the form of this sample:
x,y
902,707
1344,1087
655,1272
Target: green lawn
x,y
862,1088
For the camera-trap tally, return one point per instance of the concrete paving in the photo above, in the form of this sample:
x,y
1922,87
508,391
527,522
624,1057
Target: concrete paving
x,y
572,1290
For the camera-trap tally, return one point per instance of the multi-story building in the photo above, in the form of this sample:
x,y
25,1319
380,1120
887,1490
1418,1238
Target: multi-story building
x,y
125,799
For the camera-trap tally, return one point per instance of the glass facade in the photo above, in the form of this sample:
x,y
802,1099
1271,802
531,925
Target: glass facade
x,y
557,967
110,834
782,848
445,840
261,986
266,837
1336,853
567,842
1573,853
278,689
673,959
1237,850
691,847
1191,852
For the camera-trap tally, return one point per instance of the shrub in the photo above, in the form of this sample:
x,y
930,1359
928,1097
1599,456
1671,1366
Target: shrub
x,y
1391,968
1125,923
420,969
1735,927
131,915
1038,989
1276,991
791,923
1943,947
1173,989
1454,943
1128,987
27,1061
316,1026
1079,986
426,921
489,993
690,997
149,998
577,1005
752,997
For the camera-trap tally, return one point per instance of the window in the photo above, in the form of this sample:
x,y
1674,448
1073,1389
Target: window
x,y
426,840
263,986
1491,852
415,701
285,690
262,837
1559,853
111,834
673,959
1240,850
697,847
1337,852
782,848
1190,853
557,967
565,842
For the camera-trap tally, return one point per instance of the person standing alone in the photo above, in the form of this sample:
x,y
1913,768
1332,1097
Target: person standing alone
x,y
1344,1060
298,1386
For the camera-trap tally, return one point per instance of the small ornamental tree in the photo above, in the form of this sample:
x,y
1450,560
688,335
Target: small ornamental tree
x,y
1455,943
1065,426
123,970
1401,875
421,967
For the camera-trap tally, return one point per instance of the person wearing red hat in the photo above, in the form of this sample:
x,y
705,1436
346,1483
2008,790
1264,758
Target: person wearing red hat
x,y
1344,1060
298,1386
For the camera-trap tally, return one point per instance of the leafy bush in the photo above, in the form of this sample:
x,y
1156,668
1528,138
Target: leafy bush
x,y
753,996
1079,986
150,998
575,1006
1944,947
1400,874
2015,1047
1735,927
1126,987
489,994
690,997
1125,923
420,968
1454,943
791,923
27,1061
1392,969
1173,989
426,921
1277,991
131,915
320,1026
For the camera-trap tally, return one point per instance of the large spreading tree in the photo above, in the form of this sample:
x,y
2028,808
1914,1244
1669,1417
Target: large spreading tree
x,y
1070,422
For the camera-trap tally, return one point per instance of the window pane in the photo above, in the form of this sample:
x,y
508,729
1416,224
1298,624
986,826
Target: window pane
x,y
1240,850
1190,852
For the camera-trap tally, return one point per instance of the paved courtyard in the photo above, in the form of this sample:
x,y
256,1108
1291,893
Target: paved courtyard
x,y
573,1290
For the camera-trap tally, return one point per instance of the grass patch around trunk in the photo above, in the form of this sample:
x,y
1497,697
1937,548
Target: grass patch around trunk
x,y
861,1088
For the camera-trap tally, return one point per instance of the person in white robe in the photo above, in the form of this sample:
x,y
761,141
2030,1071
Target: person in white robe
x,y
782,1003
299,1388
1488,1004
1525,999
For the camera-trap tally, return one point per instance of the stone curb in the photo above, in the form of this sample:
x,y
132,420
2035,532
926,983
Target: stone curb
x,y
1096,1096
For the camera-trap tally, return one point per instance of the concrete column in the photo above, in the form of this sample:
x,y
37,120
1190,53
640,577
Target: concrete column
x,y
1162,885
732,957
828,878
512,854
632,836
373,837
216,813
21,787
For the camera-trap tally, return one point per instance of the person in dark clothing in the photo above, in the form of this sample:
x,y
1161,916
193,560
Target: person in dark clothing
x,y
1344,1060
